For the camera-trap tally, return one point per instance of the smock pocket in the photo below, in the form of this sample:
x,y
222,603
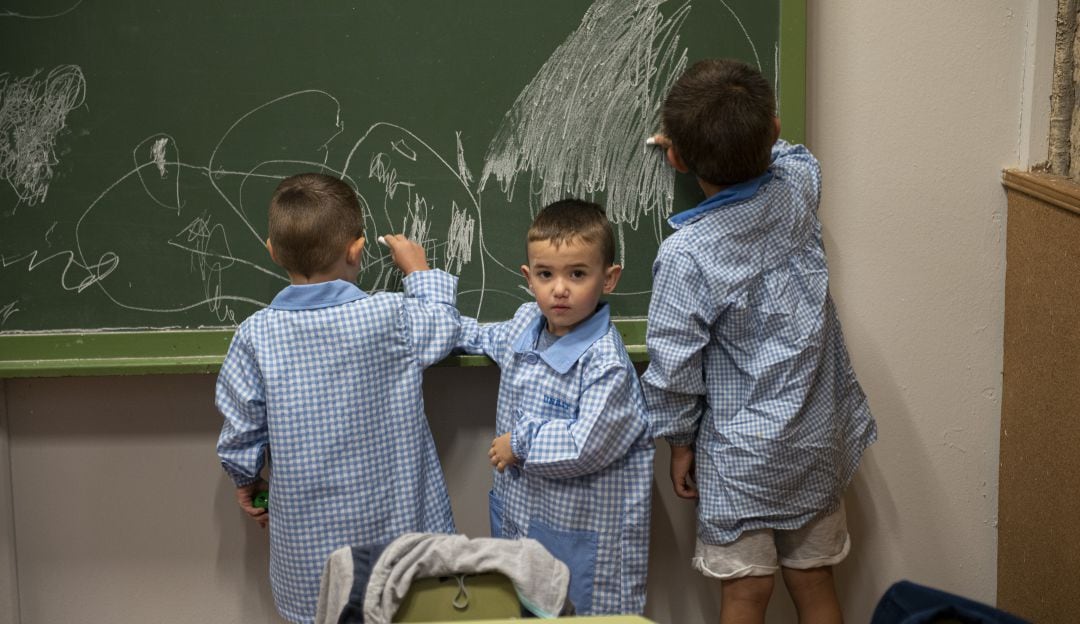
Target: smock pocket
x,y
577,549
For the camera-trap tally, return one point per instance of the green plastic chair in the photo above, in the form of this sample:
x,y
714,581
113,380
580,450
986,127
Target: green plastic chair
x,y
459,597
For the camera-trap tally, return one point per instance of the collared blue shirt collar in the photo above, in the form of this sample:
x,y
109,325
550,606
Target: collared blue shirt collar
x,y
566,351
730,195
314,296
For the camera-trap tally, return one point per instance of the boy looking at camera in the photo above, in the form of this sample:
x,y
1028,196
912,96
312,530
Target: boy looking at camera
x,y
572,453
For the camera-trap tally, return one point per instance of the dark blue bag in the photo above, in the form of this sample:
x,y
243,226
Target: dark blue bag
x,y
909,603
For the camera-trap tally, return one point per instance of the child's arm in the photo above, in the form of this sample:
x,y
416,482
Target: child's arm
x,y
489,339
680,326
682,471
797,166
244,437
431,315
608,421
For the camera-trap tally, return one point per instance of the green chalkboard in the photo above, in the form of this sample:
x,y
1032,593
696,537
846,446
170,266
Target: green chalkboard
x,y
140,141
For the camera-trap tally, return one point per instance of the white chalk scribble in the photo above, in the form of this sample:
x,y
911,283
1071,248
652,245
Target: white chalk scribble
x,y
749,40
157,153
33,112
15,14
459,240
463,168
89,273
606,80
8,310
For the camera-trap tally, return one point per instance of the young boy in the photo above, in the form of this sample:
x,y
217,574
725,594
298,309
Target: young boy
x,y
749,379
573,456
327,379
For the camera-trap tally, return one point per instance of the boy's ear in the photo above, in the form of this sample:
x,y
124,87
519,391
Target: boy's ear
x,y
270,249
676,160
528,277
611,277
355,248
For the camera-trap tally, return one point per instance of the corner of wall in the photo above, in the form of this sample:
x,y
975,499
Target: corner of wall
x,y
1038,67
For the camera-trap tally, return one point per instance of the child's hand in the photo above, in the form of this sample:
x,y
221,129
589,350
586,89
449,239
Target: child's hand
x,y
500,454
407,255
243,498
682,471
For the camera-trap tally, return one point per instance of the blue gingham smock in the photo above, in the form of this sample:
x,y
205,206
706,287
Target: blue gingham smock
x,y
330,379
747,360
577,425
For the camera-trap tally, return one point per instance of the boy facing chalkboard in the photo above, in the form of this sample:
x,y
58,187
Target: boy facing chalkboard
x,y
327,379
748,374
573,456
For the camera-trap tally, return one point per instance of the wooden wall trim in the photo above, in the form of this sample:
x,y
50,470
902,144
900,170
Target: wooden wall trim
x,y
1056,190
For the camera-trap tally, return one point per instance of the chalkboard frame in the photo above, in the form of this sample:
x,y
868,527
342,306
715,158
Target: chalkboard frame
x,y
68,354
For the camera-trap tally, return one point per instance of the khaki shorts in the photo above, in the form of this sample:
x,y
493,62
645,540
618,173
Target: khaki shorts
x,y
823,542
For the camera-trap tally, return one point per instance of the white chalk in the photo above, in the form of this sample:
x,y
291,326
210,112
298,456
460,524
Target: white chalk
x,y
382,241
651,141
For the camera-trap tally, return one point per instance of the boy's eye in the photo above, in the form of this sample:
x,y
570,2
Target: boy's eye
x,y
577,274
544,274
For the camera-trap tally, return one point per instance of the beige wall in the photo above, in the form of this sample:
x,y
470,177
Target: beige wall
x,y
122,515
915,108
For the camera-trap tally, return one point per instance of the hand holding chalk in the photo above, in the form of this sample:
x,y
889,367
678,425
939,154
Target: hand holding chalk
x,y
658,140
407,255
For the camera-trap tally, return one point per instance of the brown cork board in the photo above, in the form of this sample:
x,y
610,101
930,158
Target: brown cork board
x,y
1039,480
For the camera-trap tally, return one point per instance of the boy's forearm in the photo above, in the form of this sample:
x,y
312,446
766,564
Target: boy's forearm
x,y
432,285
674,416
604,433
471,340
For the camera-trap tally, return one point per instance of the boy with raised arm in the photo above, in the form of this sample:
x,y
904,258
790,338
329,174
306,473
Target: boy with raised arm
x,y
327,379
749,379
573,454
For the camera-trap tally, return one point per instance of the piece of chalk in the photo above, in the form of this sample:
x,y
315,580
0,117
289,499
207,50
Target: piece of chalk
x,y
651,141
382,241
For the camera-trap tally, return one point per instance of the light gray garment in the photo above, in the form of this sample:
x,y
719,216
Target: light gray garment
x,y
541,580
335,586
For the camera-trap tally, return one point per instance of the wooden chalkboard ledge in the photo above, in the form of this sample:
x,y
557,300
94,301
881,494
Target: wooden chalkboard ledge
x,y
1056,190
170,352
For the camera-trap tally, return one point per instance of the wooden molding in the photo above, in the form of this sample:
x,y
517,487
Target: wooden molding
x,y
1052,189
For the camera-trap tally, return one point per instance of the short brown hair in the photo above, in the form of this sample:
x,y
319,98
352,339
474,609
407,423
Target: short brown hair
x,y
719,116
563,221
313,218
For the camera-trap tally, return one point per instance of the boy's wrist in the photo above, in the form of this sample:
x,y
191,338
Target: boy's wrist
x,y
241,481
517,446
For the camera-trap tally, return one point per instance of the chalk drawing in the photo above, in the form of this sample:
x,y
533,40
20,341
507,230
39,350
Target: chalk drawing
x,y
157,152
749,40
575,129
33,113
15,14
459,240
88,273
8,310
606,80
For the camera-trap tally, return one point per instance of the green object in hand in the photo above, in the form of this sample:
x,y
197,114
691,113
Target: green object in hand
x,y
261,500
